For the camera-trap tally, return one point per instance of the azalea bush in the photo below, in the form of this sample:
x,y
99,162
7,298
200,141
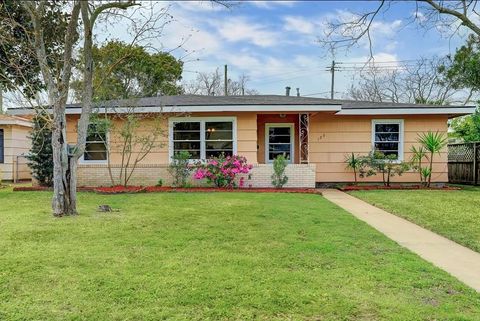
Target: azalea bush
x,y
223,171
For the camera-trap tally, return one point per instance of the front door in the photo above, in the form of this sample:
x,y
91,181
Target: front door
x,y
279,139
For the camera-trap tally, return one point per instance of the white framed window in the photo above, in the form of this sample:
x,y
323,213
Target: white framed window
x,y
387,137
203,137
279,140
95,146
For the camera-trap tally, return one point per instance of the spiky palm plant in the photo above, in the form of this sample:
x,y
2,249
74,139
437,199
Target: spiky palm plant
x,y
433,144
354,163
418,154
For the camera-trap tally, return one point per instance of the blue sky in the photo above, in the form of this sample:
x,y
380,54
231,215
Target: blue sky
x,y
275,42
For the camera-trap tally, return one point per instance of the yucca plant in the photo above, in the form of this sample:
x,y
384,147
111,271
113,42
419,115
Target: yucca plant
x,y
418,154
354,163
433,144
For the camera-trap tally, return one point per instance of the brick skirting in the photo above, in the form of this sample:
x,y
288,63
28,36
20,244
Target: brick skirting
x,y
299,175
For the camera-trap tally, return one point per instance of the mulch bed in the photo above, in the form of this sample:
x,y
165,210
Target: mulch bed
x,y
45,188
350,188
167,189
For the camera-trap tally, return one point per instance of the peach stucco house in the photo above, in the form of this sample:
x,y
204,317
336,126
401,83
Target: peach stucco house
x,y
14,145
316,134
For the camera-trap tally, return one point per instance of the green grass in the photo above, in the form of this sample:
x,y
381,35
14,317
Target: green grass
x,y
453,214
221,256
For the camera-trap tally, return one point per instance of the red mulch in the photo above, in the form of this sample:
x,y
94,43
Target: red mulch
x,y
157,189
46,188
349,188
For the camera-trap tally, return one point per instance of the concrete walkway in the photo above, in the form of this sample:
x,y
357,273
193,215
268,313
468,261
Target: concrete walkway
x,y
457,260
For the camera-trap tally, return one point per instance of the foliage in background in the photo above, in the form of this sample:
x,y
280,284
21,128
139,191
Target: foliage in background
x,y
433,143
19,68
464,69
467,128
387,165
40,156
222,171
180,169
125,71
278,177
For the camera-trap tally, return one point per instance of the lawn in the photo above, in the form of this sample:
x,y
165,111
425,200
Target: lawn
x,y
212,256
453,214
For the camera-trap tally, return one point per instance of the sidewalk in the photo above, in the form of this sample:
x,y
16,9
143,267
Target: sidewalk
x,y
451,257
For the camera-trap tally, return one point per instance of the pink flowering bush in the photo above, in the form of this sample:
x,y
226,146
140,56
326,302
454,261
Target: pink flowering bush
x,y
222,171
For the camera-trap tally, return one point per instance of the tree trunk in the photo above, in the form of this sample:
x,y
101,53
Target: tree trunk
x,y
63,201
431,170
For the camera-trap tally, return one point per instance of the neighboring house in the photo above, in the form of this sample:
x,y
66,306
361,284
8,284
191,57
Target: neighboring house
x,y
14,145
316,134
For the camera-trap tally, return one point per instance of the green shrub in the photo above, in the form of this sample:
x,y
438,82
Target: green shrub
x,y
278,177
180,168
387,165
160,183
40,156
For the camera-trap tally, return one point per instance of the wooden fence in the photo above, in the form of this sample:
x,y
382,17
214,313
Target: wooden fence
x,y
463,163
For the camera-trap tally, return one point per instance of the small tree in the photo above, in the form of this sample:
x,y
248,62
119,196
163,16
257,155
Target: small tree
x,y
433,144
40,157
180,168
278,177
388,165
132,135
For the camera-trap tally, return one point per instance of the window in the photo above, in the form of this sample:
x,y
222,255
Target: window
x,y
279,141
387,137
203,137
2,147
96,145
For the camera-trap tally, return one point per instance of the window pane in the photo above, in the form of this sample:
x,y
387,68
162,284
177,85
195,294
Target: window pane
x,y
219,135
194,154
387,128
186,146
218,145
218,153
386,146
95,155
186,126
273,155
186,135
387,137
279,131
279,139
214,126
279,147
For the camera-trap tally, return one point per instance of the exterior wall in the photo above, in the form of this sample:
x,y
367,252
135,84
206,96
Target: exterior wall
x,y
16,144
332,138
147,175
262,119
246,137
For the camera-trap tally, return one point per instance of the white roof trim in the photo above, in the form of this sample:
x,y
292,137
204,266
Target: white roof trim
x,y
193,109
409,111
17,122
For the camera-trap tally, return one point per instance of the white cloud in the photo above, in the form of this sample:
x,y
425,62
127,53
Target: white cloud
x,y
271,4
240,29
299,24
199,5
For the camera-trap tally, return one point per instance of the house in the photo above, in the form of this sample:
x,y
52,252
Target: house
x,y
315,134
14,145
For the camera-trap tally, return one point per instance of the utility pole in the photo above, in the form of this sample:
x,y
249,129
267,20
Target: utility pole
x,y
226,80
332,88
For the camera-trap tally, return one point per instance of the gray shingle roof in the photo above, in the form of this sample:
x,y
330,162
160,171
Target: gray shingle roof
x,y
197,100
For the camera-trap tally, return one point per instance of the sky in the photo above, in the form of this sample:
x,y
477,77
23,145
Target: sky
x,y
276,43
